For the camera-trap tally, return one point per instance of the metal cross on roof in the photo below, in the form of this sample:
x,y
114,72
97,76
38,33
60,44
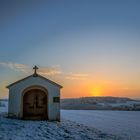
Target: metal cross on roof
x,y
35,70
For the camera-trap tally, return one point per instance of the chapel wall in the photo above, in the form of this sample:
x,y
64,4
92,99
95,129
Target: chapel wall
x,y
16,97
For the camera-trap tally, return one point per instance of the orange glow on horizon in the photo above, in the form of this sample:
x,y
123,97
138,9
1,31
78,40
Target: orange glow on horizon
x,y
91,88
96,91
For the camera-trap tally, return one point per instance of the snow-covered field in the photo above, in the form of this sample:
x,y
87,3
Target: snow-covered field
x,y
75,125
100,103
122,123
11,129
3,106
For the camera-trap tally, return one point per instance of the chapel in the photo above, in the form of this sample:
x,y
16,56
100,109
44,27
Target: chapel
x,y
34,98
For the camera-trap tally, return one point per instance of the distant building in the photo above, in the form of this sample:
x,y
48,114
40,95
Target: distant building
x,y
34,98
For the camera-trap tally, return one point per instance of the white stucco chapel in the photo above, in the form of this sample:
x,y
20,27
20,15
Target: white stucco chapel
x,y
34,98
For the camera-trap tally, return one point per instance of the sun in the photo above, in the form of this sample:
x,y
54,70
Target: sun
x,y
96,91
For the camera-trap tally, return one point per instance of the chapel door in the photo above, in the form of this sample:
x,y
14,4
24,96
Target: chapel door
x,y
35,105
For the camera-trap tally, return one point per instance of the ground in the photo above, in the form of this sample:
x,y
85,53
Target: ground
x,y
12,129
74,125
121,123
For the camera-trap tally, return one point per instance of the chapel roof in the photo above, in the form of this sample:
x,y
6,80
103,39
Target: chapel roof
x,y
34,75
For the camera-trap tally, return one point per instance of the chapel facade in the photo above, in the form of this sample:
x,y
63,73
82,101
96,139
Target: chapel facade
x,y
34,98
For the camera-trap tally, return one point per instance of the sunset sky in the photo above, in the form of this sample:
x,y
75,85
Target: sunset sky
x,y
90,47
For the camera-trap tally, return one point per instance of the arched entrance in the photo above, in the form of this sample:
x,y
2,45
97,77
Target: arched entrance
x,y
35,104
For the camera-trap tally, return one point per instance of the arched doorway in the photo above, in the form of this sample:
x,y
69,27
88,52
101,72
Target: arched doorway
x,y
35,104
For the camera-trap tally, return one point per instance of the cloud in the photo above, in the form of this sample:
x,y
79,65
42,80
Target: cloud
x,y
77,76
49,71
16,66
46,71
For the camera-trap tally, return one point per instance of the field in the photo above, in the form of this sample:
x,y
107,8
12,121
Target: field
x,y
74,125
121,123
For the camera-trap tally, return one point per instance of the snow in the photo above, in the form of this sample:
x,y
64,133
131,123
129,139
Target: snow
x,y
75,125
3,106
100,103
122,123
12,129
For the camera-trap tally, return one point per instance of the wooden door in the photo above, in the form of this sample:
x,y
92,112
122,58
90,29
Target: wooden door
x,y
35,105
